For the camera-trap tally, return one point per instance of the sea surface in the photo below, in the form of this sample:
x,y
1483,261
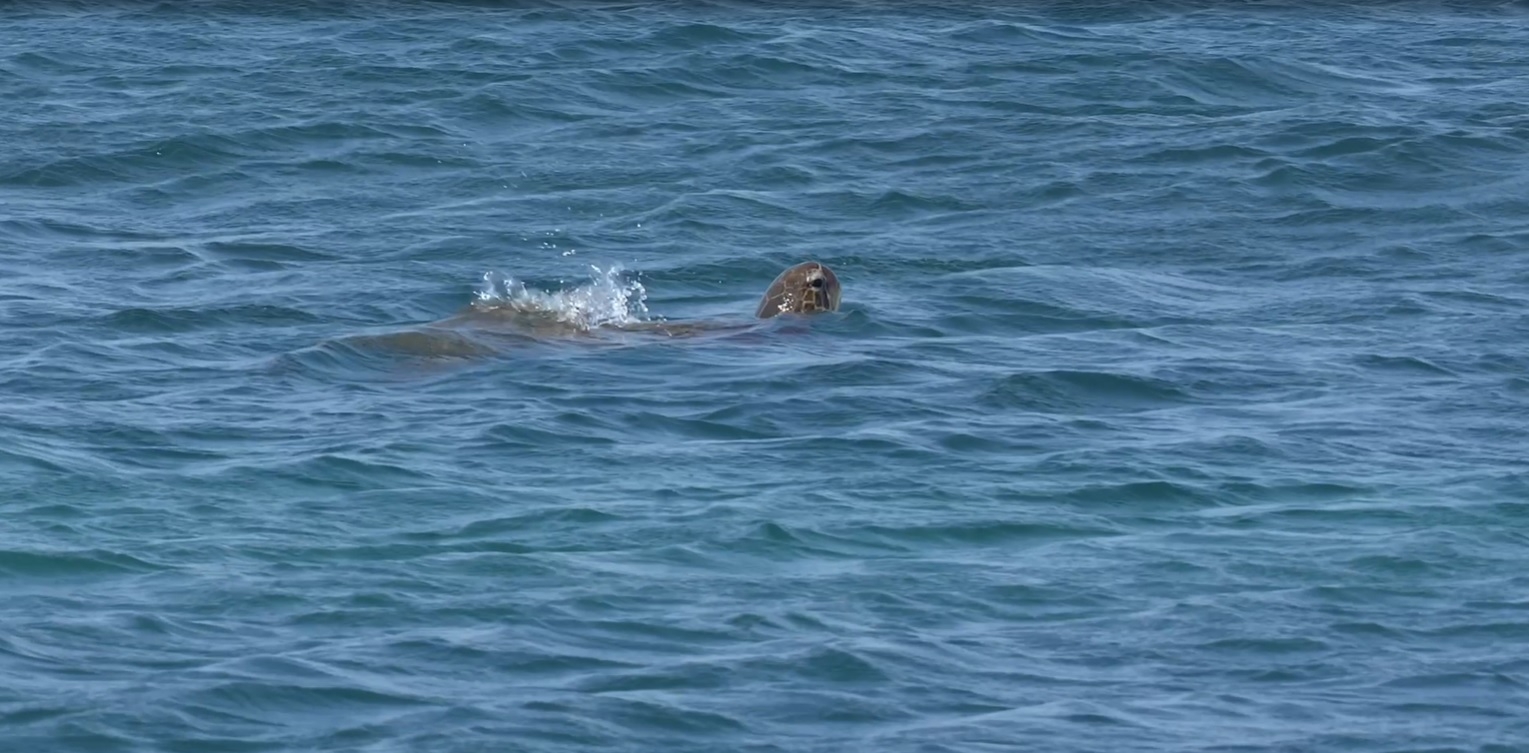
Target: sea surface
x,y
383,377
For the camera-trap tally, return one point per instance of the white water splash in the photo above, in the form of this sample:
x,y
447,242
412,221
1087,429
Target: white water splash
x,y
609,298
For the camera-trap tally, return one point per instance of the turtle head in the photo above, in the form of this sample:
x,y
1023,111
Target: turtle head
x,y
807,288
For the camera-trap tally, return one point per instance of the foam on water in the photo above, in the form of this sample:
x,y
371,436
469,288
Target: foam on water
x,y
610,297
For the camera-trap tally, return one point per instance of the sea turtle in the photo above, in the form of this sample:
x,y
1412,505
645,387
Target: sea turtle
x,y
807,288
496,321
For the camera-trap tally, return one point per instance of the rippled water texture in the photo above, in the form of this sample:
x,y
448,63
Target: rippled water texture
x,y
382,377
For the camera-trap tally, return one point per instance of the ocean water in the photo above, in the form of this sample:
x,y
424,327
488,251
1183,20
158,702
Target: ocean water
x,y
382,377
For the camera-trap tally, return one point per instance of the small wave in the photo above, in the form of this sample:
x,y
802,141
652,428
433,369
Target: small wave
x,y
342,357
1067,390
986,533
1401,364
1140,495
177,319
1006,33
145,161
18,563
698,36
14,461
261,697
609,298
260,255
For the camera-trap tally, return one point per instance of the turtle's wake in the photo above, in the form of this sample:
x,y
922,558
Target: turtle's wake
x,y
609,298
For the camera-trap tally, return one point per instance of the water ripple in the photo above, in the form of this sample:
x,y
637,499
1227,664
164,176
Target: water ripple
x,y
1173,403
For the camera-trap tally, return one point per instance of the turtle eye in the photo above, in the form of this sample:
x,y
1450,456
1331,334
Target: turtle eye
x,y
817,284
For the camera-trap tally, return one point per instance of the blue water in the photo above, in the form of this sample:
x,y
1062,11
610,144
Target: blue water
x,y
1179,400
